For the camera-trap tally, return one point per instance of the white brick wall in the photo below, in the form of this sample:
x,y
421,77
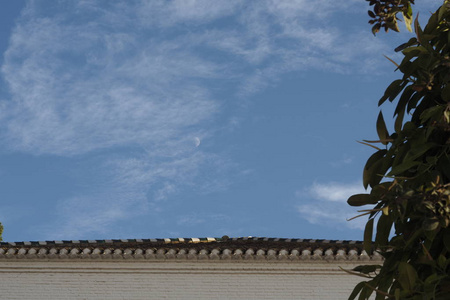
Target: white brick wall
x,y
81,279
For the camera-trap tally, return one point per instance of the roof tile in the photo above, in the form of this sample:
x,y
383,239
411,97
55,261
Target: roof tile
x,y
247,248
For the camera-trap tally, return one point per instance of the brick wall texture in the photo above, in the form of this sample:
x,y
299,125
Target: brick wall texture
x,y
50,279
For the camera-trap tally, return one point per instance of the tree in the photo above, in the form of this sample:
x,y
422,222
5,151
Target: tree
x,y
409,174
384,14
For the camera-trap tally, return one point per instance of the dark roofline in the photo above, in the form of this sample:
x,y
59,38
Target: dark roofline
x,y
204,243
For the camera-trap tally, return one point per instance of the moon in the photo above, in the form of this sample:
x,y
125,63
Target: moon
x,y
197,141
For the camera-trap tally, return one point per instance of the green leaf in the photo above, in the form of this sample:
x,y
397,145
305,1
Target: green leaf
x,y
441,261
430,224
374,174
380,190
399,169
433,22
360,199
393,25
404,99
447,116
415,51
407,276
413,101
382,131
417,151
366,269
411,42
356,290
432,278
368,232
372,168
407,16
376,28
399,121
441,12
365,293
384,284
433,113
392,90
417,29
401,150
384,226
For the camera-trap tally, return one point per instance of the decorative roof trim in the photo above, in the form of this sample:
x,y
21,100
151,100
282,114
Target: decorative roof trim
x,y
214,249
179,240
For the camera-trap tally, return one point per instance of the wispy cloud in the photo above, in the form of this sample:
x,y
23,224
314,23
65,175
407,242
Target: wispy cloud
x,y
170,13
135,187
98,82
325,203
333,191
63,104
86,78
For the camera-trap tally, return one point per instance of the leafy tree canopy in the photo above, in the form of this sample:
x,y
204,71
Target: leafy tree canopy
x,y
409,174
384,14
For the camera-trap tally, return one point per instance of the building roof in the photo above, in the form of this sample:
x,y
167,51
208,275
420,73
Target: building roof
x,y
224,248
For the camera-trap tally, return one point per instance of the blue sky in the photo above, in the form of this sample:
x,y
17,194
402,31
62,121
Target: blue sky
x,y
150,119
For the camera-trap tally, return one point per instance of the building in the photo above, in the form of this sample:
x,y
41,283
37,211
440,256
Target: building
x,y
208,268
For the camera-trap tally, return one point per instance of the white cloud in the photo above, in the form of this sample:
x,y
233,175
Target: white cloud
x,y
110,80
334,191
325,203
331,216
169,13
64,104
81,216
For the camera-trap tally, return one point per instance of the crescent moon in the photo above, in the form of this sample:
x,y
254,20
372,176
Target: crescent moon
x,y
197,141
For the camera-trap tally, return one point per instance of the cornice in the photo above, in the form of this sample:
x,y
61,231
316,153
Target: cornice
x,y
191,249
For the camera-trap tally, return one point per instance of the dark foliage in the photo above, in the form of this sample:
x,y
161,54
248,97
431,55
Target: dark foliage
x,y
409,174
